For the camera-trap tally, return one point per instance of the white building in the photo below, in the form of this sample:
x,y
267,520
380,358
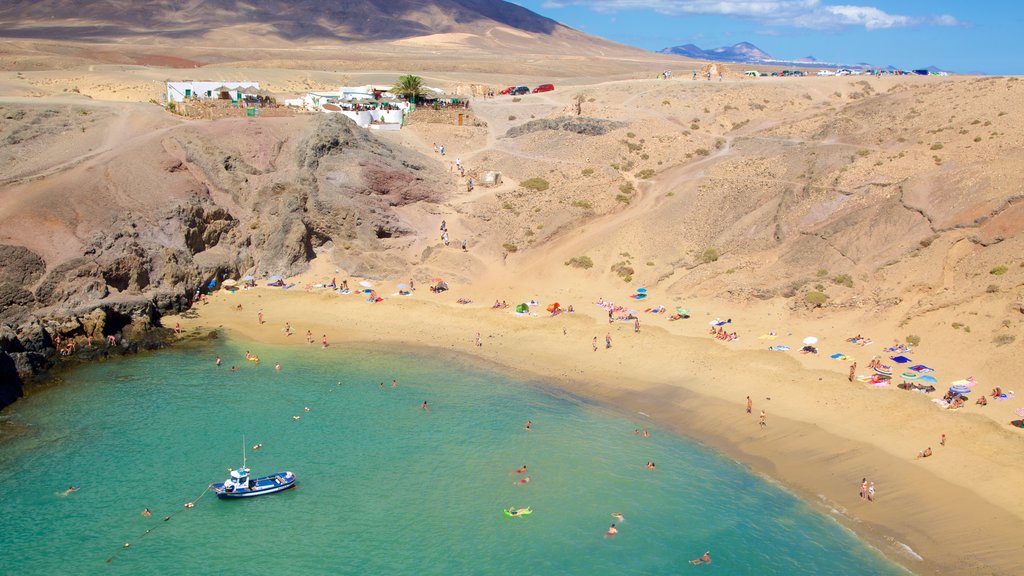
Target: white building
x,y
181,91
356,104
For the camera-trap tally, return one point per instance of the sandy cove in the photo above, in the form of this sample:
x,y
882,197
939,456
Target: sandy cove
x,y
960,511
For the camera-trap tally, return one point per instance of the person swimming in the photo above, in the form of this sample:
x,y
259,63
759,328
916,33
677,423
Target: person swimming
x,y
650,465
612,531
512,511
257,446
618,516
70,489
705,559
146,513
524,481
521,470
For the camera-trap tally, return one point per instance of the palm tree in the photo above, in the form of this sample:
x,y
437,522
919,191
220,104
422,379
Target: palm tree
x,y
409,86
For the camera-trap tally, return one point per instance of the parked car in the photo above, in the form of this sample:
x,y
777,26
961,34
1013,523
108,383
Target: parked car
x,y
544,88
507,90
520,90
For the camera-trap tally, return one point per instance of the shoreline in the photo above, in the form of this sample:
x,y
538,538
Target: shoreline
x,y
950,525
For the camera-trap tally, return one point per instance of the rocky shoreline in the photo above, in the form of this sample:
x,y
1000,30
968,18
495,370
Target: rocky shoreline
x,y
31,351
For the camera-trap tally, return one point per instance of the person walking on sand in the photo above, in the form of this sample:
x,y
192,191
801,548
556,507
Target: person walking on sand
x,y
853,371
636,325
942,439
871,492
323,342
259,316
864,487
479,343
595,343
750,405
608,340
764,419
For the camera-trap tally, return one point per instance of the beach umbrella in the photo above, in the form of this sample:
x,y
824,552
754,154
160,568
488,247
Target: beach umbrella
x,y
437,279
967,383
229,283
248,277
365,284
810,340
959,389
927,378
552,307
403,286
1019,411
275,278
641,290
910,375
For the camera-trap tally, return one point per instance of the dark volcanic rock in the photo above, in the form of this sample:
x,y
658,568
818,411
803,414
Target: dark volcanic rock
x,y
11,386
575,124
20,269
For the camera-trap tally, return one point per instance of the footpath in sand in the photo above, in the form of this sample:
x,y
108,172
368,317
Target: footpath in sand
x,y
958,512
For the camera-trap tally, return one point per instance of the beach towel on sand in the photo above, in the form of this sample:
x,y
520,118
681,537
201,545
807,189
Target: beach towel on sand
x,y
921,368
839,356
779,348
899,359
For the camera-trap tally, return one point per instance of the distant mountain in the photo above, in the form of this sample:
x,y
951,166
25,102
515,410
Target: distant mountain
x,y
747,53
290,20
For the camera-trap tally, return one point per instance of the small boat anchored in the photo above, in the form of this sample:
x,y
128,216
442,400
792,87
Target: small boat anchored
x,y
240,485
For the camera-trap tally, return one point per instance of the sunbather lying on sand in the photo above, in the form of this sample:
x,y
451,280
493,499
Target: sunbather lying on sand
x,y
925,453
996,392
981,401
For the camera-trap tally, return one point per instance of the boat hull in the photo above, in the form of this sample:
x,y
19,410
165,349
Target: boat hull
x,y
262,486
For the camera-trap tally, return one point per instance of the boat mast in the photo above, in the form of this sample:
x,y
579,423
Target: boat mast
x,y
243,451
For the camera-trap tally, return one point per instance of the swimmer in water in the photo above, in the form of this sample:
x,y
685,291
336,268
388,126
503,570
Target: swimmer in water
x,y
424,406
234,369
277,366
524,481
618,516
296,417
521,470
529,425
705,559
306,409
650,465
146,513
190,505
218,360
257,446
647,434
512,511
70,489
612,531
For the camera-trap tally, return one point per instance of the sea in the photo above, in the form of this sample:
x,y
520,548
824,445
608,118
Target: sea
x,y
384,487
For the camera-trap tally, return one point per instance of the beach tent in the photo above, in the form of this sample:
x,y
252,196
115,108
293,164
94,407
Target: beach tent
x,y
553,307
522,308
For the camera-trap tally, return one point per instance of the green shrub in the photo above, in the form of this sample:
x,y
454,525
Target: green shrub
x,y
998,270
914,340
538,184
819,287
694,126
822,272
957,325
937,146
817,299
843,280
507,206
645,173
626,188
588,171
510,247
701,152
710,255
630,135
622,198
623,270
581,204
580,262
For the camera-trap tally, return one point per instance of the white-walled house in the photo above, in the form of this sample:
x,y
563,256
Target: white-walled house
x,y
354,103
181,91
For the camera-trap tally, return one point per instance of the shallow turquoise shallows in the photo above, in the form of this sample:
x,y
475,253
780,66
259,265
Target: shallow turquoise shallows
x,y
383,486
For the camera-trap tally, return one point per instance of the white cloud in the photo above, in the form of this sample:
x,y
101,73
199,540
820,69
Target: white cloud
x,y
792,13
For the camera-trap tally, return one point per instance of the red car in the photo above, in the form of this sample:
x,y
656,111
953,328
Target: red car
x,y
507,90
544,88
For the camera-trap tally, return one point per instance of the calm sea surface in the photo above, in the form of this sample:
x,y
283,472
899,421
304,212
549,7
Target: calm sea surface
x,y
384,487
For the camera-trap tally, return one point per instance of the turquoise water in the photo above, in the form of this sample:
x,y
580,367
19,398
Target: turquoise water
x,y
384,487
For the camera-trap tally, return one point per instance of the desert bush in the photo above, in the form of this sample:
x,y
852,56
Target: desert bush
x,y
511,118
517,99
626,188
507,206
666,103
710,255
819,287
992,289
701,152
1004,339
843,280
977,138
937,146
538,184
622,198
645,173
998,270
816,298
862,152
694,126
581,204
587,171
580,262
630,135
957,325
623,270
822,272
914,340
510,247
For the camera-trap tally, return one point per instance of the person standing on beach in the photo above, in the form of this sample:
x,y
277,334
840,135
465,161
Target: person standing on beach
x,y
636,325
750,405
595,343
853,371
864,487
871,492
323,341
608,340
610,320
309,336
764,419
479,343
259,316
942,440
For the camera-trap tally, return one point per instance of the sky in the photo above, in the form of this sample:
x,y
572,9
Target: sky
x,y
954,35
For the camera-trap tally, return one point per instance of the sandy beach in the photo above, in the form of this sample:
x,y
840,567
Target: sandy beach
x,y
957,512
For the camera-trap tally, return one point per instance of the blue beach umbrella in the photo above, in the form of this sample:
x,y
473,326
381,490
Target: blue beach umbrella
x,y
275,278
960,389
641,290
927,378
